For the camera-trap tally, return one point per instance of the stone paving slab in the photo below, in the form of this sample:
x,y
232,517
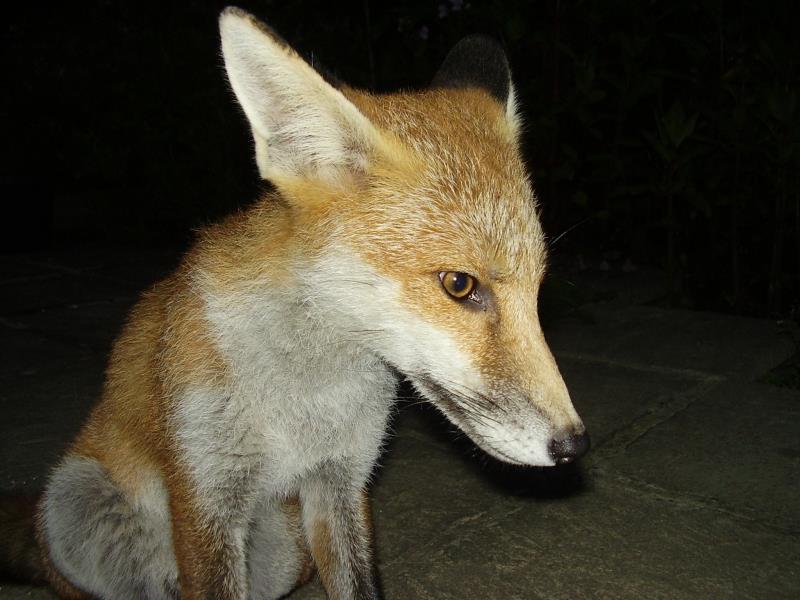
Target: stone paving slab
x,y
24,592
30,357
34,438
738,446
446,529
426,485
609,397
46,391
90,326
606,543
736,347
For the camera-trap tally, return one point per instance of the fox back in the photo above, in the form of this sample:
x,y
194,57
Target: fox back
x,y
248,395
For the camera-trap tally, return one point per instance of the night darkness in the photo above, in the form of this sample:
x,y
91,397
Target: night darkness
x,y
666,133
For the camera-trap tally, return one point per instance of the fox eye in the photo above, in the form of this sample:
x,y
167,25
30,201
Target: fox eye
x,y
458,285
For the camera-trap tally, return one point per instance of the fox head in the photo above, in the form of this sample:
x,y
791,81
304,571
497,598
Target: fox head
x,y
420,224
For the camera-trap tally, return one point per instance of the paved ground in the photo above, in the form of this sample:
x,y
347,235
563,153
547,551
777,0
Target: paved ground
x,y
690,491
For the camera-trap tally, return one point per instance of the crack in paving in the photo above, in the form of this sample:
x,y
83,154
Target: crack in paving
x,y
676,403
651,368
451,529
691,501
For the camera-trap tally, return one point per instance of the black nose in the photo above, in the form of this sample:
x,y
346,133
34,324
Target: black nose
x,y
566,449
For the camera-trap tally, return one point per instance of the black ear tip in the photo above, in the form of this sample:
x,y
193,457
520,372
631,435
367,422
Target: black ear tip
x,y
479,44
476,61
476,39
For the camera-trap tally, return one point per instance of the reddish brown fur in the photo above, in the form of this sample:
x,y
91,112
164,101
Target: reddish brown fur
x,y
162,346
321,549
293,512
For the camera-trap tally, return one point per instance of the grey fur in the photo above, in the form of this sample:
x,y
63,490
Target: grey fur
x,y
103,542
274,557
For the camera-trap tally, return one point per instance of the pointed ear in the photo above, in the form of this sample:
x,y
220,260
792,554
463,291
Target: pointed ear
x,y
302,126
479,61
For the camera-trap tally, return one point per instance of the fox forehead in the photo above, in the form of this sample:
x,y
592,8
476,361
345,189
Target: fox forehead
x,y
464,201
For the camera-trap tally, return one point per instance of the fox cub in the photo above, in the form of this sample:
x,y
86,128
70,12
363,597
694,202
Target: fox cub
x,y
247,396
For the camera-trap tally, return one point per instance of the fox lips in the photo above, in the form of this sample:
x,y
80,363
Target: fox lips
x,y
467,411
496,428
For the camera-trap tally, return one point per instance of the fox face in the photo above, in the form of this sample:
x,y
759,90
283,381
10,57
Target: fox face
x,y
420,228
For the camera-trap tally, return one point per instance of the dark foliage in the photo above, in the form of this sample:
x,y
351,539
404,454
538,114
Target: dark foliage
x,y
670,131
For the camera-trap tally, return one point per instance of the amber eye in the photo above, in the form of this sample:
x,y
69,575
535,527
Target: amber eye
x,y
458,285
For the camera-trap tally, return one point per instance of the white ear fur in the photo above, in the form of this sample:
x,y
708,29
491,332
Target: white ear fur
x,y
302,125
512,112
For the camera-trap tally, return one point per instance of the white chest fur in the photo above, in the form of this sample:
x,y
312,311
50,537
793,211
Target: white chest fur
x,y
302,391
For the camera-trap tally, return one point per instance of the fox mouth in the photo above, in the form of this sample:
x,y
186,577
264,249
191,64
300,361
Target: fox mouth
x,y
466,409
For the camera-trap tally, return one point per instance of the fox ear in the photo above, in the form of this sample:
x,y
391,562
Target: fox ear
x,y
479,61
302,126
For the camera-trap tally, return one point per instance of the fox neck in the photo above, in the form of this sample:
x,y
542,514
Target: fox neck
x,y
275,296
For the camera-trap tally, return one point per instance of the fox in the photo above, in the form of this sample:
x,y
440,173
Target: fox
x,y
248,396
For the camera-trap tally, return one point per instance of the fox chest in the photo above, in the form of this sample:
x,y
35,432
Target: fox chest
x,y
301,391
278,422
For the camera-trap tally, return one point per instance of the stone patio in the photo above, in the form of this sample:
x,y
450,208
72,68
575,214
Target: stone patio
x,y
691,489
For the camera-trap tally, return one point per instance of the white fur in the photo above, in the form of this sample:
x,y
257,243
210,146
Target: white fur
x,y
301,125
512,112
274,560
521,437
304,398
303,391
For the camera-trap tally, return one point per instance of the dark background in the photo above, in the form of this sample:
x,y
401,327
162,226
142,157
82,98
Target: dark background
x,y
662,134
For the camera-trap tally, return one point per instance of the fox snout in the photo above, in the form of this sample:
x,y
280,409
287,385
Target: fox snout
x,y
523,433
565,449
512,426
532,433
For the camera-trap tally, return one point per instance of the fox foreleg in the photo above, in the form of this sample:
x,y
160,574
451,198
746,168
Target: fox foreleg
x,y
338,525
211,558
